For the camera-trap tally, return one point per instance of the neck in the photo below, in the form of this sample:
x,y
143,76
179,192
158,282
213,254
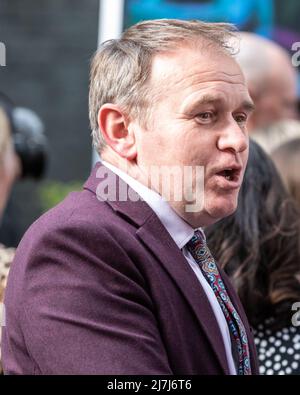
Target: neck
x,y
129,167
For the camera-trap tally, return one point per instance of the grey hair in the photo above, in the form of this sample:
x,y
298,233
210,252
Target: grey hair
x,y
121,68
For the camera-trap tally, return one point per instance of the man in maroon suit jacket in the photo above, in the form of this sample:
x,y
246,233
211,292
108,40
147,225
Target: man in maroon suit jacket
x,y
104,282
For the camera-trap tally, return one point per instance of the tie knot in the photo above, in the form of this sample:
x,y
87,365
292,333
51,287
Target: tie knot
x,y
199,249
198,239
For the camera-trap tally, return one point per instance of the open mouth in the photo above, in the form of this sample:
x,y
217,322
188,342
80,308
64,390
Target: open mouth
x,y
230,174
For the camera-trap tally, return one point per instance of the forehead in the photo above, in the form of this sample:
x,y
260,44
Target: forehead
x,y
186,71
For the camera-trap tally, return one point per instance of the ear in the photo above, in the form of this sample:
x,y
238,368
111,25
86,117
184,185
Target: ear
x,y
114,128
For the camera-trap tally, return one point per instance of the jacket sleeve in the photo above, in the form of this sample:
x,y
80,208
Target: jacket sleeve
x,y
85,308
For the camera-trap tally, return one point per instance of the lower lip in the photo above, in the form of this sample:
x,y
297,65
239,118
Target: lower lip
x,y
226,184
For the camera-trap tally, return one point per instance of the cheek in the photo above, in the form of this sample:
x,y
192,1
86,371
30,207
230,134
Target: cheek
x,y
245,157
199,151
149,145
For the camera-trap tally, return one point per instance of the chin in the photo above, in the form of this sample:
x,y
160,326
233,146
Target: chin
x,y
213,210
218,211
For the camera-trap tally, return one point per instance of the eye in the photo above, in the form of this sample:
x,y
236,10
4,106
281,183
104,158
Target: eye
x,y
205,117
241,119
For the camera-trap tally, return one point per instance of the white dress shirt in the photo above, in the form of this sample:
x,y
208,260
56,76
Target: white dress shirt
x,y
181,232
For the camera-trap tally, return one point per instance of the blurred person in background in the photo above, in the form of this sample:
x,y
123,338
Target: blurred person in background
x,y
29,139
271,79
9,161
287,160
9,172
258,247
22,154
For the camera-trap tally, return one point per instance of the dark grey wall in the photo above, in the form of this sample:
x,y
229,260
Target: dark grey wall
x,y
49,44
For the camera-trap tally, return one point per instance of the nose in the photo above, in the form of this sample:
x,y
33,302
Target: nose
x,y
233,138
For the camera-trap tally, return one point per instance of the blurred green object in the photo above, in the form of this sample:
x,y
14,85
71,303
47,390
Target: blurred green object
x,y
53,192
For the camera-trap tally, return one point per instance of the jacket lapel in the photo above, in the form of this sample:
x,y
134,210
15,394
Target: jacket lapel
x,y
157,239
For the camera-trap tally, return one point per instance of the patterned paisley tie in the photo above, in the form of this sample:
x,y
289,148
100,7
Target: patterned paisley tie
x,y
202,255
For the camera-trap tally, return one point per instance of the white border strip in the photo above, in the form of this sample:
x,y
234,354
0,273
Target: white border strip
x,y
111,15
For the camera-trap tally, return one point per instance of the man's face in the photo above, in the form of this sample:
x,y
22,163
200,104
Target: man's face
x,y
199,119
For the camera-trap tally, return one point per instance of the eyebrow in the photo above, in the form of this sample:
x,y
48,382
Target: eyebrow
x,y
248,105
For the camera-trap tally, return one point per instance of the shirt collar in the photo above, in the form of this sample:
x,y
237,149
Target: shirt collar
x,y
180,231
